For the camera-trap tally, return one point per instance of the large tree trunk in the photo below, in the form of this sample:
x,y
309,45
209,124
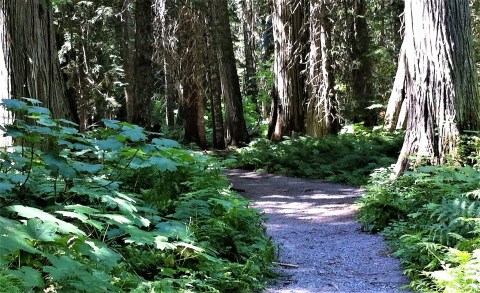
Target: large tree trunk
x,y
290,42
191,74
441,82
320,117
30,48
144,80
235,121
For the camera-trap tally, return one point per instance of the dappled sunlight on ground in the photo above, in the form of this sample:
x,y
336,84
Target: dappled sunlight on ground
x,y
321,244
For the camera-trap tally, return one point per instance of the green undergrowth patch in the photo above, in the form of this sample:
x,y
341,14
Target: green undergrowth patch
x,y
347,158
431,218
115,210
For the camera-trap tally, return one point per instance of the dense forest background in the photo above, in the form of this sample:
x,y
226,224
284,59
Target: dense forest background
x,y
96,189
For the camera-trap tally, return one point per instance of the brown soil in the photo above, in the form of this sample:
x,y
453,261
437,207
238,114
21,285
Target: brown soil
x,y
322,247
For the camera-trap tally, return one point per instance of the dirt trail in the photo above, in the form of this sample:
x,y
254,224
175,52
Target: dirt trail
x,y
314,224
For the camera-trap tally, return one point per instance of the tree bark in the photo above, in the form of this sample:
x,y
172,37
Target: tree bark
x,y
290,42
191,74
395,116
143,79
321,115
214,83
127,49
441,80
30,48
249,44
236,126
362,90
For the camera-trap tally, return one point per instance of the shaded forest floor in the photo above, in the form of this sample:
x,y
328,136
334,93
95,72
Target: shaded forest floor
x,y
322,247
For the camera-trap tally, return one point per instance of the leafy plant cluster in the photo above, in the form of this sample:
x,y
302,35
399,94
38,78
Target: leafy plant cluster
x,y
348,157
114,211
431,217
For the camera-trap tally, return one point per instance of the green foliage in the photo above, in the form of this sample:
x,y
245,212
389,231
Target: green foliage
x,y
112,209
431,217
349,157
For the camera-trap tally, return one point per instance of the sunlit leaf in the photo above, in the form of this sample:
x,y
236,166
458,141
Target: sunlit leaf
x,y
29,212
14,105
39,230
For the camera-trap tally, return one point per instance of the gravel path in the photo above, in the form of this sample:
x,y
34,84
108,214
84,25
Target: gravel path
x,y
313,223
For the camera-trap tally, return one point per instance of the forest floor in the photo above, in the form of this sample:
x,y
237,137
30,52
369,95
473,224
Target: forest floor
x,y
322,247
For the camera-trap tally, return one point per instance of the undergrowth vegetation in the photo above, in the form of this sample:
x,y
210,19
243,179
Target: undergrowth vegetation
x,y
431,217
348,157
114,211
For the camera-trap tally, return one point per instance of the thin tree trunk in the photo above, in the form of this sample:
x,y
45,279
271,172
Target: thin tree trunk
x,y
128,53
214,83
248,25
144,80
395,116
236,126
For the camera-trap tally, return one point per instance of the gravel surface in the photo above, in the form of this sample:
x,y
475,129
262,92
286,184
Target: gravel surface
x,y
322,248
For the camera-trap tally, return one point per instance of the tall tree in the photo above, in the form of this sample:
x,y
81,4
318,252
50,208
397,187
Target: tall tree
x,y
191,46
144,79
361,80
30,49
236,126
213,81
289,95
249,45
320,117
441,81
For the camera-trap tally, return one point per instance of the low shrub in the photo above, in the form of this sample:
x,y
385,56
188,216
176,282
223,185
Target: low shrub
x,y
348,157
111,211
431,218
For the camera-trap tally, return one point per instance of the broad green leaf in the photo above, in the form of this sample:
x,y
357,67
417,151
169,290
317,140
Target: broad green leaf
x,y
32,101
58,165
6,187
139,236
163,164
14,105
38,110
109,144
11,242
113,124
82,209
133,132
30,276
99,252
161,243
88,168
122,204
173,229
168,143
29,213
116,219
83,218
46,121
39,230
17,178
63,267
